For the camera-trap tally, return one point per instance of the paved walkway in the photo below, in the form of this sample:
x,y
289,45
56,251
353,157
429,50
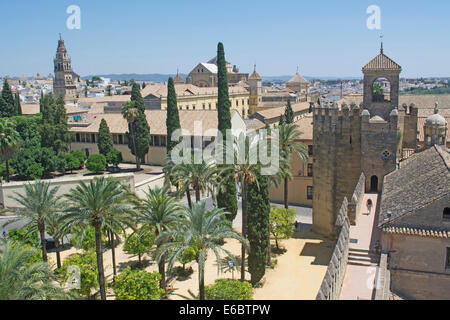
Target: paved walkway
x,y
359,281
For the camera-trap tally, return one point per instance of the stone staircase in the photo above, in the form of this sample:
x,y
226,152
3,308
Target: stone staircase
x,y
360,257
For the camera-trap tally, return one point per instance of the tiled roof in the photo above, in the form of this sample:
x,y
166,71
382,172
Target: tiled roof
x,y
276,112
160,90
418,232
305,126
156,120
382,62
255,76
422,179
297,79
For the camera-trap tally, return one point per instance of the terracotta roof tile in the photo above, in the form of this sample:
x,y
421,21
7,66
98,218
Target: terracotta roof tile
x,y
382,62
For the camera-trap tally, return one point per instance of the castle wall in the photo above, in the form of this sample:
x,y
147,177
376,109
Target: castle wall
x,y
409,127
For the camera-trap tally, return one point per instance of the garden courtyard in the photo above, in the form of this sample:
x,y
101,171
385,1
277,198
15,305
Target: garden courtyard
x,y
297,274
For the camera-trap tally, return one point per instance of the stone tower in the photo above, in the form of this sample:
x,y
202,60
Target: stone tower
x,y
380,137
337,166
255,86
435,129
63,82
350,140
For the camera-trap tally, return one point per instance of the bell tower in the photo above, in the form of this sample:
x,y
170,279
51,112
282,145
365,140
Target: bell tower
x,y
63,82
255,86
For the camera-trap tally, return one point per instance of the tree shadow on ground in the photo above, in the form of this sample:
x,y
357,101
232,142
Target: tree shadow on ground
x,y
134,264
320,251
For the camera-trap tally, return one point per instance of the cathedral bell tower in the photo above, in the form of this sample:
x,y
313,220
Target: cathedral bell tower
x,y
63,82
255,86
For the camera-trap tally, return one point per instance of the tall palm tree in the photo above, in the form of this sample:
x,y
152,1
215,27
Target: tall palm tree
x,y
130,113
289,137
21,281
159,211
38,203
102,202
9,141
245,172
202,230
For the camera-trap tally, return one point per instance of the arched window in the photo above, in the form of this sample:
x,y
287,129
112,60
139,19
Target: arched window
x,y
381,90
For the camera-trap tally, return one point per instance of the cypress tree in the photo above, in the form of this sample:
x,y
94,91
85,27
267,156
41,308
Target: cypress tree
x,y
227,197
17,104
143,137
282,120
8,107
143,85
258,227
105,139
137,98
173,118
288,113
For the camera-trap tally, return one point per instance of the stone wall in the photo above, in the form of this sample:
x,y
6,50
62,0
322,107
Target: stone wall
x,y
65,184
356,201
383,281
334,277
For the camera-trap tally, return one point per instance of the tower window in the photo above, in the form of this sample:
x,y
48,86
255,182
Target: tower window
x,y
447,260
310,170
310,150
446,214
385,155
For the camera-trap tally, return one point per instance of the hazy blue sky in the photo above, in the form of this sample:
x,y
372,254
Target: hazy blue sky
x,y
322,37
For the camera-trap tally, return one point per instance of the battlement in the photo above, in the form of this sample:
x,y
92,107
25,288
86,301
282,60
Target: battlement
x,y
335,118
412,110
378,124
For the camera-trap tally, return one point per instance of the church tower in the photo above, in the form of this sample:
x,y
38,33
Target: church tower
x,y
63,82
380,129
255,86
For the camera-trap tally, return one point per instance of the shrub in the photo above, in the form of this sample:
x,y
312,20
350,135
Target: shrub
x,y
80,155
96,163
85,239
34,171
72,162
138,243
114,157
3,170
137,285
88,275
187,256
281,223
227,289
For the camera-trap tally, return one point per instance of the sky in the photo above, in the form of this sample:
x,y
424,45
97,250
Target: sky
x,y
320,37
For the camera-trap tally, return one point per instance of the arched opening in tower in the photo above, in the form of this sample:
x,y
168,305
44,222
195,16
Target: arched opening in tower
x,y
381,90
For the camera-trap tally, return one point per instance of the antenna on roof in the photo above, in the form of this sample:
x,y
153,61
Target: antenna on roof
x,y
60,37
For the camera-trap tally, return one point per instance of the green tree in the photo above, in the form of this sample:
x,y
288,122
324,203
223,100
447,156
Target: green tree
x,y
54,229
138,131
72,162
258,228
83,237
173,118
188,256
96,163
54,129
108,90
105,139
282,120
38,203
227,195
17,105
288,113
137,285
281,223
227,289
139,242
21,281
7,106
159,211
98,203
9,141
88,275
136,97
202,230
244,172
143,137
289,143
114,157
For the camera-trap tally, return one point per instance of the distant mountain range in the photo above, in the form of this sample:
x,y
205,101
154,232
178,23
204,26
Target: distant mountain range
x,y
158,77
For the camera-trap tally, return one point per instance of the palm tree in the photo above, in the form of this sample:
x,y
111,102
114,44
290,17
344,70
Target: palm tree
x,y
101,203
200,177
244,172
21,281
9,141
159,211
203,231
289,137
130,113
38,204
54,229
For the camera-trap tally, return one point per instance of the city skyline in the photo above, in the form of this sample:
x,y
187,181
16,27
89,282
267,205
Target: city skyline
x,y
139,37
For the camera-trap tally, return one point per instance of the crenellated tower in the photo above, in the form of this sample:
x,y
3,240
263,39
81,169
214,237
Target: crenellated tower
x,y
350,140
337,168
